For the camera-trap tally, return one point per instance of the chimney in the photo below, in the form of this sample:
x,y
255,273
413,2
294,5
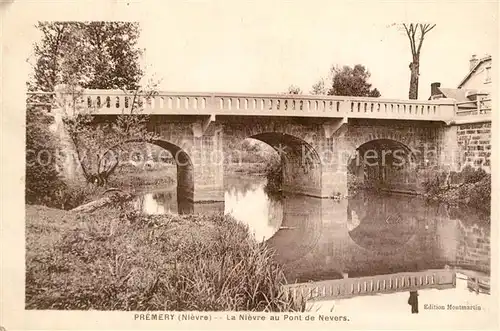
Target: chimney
x,y
435,89
473,61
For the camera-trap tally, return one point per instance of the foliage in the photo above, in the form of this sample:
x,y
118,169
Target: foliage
x,y
121,260
93,55
43,184
248,151
292,89
130,177
355,184
100,143
274,176
349,81
319,88
42,179
470,187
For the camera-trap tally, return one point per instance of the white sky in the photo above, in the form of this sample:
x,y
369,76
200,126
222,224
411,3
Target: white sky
x,y
264,46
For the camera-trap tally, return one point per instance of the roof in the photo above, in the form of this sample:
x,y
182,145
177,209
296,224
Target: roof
x,y
479,62
457,94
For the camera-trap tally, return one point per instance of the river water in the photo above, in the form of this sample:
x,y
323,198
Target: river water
x,y
368,234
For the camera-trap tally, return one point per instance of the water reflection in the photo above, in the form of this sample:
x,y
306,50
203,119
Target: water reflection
x,y
369,234
245,199
373,234
164,201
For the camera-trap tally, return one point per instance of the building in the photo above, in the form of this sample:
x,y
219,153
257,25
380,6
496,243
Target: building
x,y
479,76
473,93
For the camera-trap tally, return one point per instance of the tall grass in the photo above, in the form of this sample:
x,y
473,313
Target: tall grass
x,y
126,261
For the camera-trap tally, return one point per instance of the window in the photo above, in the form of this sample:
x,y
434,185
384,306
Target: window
x,y
488,75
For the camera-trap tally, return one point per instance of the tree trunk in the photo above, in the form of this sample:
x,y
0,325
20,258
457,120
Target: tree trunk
x,y
414,69
115,198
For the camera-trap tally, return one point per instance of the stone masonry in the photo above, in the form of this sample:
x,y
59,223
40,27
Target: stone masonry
x,y
474,141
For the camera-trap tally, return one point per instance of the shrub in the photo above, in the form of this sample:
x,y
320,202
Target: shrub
x,y
471,187
274,176
479,194
355,184
43,185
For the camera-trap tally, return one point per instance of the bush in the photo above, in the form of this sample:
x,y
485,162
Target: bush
x,y
43,185
467,175
355,184
114,260
274,176
470,187
479,194
435,184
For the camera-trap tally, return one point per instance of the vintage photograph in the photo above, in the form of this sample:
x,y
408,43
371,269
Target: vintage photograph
x,y
270,158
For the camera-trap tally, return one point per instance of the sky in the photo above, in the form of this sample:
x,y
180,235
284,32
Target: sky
x,y
265,46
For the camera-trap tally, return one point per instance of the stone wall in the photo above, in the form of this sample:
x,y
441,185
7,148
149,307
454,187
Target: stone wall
x,y
202,150
473,251
474,142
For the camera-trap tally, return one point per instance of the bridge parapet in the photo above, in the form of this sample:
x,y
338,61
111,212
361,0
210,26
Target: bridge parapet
x,y
107,102
114,102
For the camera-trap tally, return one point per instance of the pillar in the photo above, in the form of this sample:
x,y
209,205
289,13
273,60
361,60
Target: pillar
x,y
208,161
449,151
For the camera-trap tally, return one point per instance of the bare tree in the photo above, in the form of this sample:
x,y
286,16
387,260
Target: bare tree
x,y
416,33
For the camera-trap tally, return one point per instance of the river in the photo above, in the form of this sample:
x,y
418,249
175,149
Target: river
x,y
365,235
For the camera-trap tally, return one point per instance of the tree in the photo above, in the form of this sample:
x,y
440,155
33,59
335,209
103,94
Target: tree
x,y
94,55
319,88
42,179
349,81
99,144
292,89
416,33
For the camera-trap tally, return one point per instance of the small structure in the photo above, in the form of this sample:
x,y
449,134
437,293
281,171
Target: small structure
x,y
473,93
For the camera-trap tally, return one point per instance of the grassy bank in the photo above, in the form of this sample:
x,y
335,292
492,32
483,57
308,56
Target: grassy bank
x,y
128,177
131,179
116,259
258,169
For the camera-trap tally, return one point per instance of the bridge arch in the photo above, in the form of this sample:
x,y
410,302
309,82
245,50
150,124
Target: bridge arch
x,y
301,163
360,135
180,157
184,164
383,164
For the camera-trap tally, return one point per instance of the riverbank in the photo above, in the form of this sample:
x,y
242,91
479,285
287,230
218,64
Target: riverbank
x,y
128,176
116,259
469,188
254,169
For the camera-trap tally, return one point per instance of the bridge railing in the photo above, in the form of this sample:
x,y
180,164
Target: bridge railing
x,y
108,102
478,107
115,102
351,287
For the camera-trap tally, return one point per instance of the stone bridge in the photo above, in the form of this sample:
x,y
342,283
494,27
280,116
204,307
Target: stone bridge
x,y
321,139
